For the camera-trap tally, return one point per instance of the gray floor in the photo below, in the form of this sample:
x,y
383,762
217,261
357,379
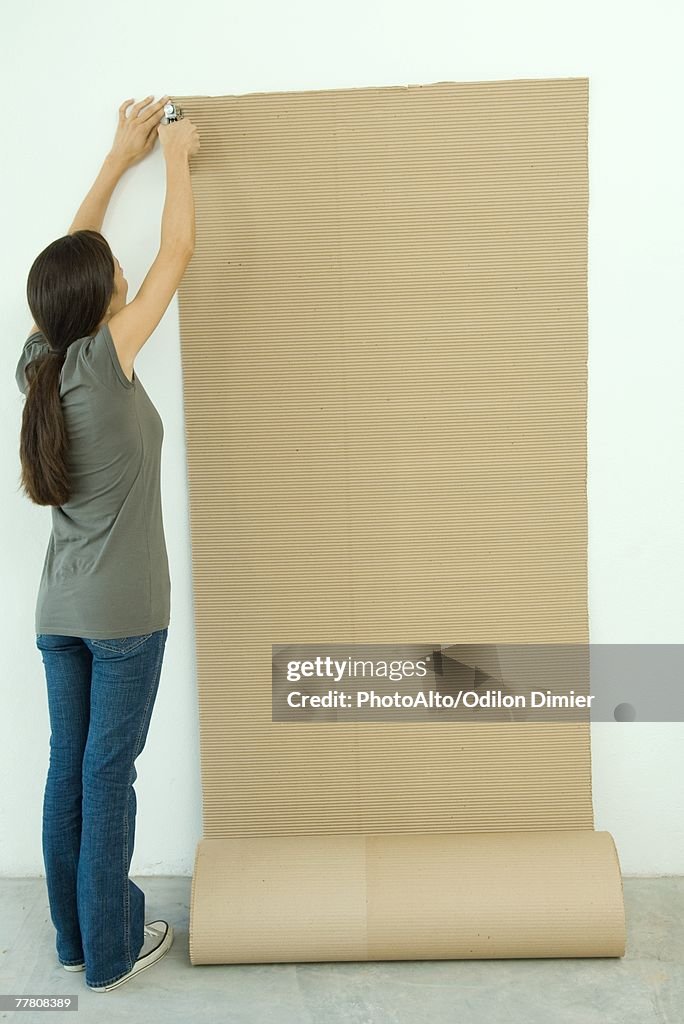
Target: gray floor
x,y
644,987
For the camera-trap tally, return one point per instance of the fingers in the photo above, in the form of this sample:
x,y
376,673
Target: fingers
x,y
150,112
154,109
138,106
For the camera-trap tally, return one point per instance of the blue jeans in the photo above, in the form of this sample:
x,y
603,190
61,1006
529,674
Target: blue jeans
x,y
100,699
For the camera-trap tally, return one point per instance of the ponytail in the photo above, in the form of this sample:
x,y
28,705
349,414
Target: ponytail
x,y
43,440
69,290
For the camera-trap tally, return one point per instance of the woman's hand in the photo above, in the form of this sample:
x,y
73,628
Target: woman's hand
x,y
179,137
136,134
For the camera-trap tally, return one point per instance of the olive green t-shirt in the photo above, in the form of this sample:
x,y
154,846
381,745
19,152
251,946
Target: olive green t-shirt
x,y
106,570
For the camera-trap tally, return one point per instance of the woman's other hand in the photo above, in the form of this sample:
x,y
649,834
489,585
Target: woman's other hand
x,y
136,133
179,137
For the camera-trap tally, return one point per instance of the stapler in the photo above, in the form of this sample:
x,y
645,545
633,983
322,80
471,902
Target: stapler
x,y
171,113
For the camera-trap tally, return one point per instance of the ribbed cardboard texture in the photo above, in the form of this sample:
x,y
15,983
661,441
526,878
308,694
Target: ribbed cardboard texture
x,y
384,344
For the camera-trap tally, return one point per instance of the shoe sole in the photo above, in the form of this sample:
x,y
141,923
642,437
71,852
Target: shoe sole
x,y
142,963
74,967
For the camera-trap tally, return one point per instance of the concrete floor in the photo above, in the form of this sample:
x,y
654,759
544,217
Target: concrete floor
x,y
644,987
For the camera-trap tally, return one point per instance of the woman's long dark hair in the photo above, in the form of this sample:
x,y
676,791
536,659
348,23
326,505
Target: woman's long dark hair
x,y
69,289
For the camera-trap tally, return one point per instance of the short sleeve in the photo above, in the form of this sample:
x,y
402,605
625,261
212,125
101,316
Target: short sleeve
x,y
34,346
100,356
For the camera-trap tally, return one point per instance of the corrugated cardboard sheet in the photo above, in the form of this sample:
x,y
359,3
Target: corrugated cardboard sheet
x,y
384,345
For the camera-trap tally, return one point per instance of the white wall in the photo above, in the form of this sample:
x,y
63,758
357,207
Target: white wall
x,y
65,70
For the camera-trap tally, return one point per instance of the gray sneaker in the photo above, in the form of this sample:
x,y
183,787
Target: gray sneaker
x,y
158,941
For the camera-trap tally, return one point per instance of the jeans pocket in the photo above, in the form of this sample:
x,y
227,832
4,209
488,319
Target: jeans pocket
x,y
121,644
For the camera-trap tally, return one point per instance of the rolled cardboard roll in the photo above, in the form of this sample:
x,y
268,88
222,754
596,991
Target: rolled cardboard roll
x,y
407,897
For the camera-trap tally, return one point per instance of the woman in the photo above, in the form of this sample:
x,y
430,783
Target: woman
x,y
90,448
